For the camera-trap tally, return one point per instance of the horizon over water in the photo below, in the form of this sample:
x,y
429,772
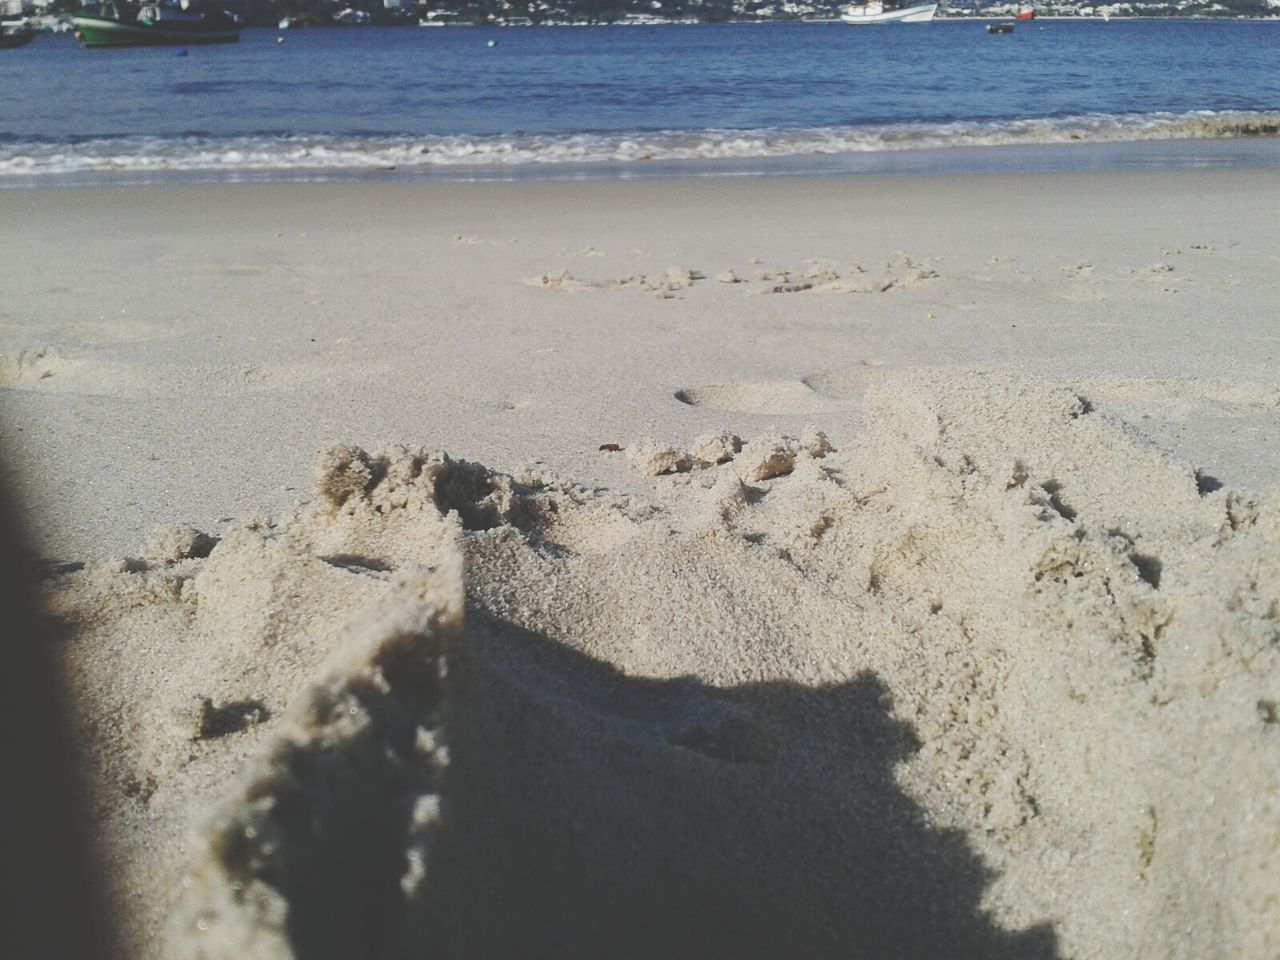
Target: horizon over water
x,y
671,100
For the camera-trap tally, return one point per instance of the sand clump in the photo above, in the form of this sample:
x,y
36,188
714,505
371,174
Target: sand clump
x,y
762,459
898,273
995,678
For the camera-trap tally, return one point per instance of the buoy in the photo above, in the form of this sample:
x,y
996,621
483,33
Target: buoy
x,y
279,39
491,43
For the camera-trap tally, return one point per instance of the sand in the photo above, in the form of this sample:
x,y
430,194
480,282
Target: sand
x,y
929,604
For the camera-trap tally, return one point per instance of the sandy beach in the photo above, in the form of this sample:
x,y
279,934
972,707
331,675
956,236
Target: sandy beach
x,y
839,567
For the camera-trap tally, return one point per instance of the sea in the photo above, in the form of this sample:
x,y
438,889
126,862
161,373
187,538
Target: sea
x,y
733,99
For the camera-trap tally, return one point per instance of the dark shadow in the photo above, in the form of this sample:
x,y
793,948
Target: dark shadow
x,y
51,897
1206,484
585,813
591,814
357,563
1053,488
214,721
1149,568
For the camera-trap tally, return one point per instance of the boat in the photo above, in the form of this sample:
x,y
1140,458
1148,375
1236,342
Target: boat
x,y
120,23
350,17
17,37
874,11
999,28
54,24
443,18
1025,12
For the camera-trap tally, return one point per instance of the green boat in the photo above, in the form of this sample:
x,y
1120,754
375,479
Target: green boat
x,y
119,23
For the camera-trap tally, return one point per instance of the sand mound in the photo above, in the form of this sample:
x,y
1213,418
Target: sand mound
x,y
996,679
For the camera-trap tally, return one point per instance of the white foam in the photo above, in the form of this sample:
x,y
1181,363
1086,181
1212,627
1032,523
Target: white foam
x,y
306,153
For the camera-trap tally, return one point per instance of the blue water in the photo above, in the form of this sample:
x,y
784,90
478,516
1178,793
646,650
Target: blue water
x,y
344,101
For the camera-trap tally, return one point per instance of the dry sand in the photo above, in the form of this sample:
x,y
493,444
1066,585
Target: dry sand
x,y
931,605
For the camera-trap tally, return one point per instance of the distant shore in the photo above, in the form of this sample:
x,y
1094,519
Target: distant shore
x,y
941,17
61,24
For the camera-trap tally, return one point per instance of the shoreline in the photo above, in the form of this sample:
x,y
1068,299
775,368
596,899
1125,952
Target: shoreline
x,y
1154,155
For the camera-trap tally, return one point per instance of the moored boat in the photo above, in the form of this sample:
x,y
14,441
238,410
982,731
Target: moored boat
x,y
875,12
119,23
1025,12
999,28
351,17
18,37
9,41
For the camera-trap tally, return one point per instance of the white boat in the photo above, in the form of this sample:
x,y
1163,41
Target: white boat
x,y
874,12
350,17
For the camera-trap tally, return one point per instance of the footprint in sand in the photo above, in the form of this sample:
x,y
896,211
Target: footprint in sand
x,y
762,396
842,385
810,394
1229,397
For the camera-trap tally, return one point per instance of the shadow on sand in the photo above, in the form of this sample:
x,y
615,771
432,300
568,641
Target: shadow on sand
x,y
584,813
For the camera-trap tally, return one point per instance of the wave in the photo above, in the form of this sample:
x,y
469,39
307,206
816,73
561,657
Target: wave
x,y
315,154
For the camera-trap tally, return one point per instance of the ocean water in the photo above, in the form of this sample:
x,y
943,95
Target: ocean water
x,y
644,101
